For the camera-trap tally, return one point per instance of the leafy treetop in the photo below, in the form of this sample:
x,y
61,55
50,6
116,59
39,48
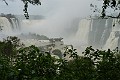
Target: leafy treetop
x,y
108,5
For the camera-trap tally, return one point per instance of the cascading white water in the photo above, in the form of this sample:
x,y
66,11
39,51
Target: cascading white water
x,y
113,40
83,31
104,32
5,25
99,33
8,25
80,41
15,23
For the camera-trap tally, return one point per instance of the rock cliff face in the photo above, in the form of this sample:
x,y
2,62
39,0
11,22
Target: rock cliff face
x,y
99,33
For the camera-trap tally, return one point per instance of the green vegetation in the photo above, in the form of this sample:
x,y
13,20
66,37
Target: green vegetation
x,y
113,4
28,63
109,9
57,52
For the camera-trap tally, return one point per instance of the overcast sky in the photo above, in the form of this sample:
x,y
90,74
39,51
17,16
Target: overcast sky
x,y
49,7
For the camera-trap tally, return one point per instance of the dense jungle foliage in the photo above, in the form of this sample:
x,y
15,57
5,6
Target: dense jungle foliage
x,y
29,63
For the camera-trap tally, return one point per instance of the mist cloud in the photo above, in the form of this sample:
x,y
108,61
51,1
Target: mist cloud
x,y
59,15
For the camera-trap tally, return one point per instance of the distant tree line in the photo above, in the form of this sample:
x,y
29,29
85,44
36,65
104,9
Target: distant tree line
x,y
33,36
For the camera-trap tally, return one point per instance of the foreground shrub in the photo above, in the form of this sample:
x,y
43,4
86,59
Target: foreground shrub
x,y
30,64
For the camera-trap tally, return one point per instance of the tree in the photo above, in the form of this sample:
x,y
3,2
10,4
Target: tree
x,y
57,52
106,63
80,68
33,2
10,45
31,64
111,5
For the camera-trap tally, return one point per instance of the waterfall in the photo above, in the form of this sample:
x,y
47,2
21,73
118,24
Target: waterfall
x,y
90,32
5,25
15,23
106,32
9,25
80,41
83,31
113,40
99,33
